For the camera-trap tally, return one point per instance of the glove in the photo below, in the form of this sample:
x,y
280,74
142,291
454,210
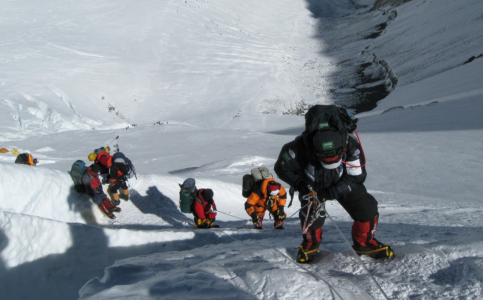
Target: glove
x,y
280,211
324,195
306,191
280,214
304,187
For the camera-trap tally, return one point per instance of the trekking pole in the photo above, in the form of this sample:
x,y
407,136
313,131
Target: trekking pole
x,y
358,258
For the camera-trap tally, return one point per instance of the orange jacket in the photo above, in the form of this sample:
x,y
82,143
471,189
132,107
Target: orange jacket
x,y
258,200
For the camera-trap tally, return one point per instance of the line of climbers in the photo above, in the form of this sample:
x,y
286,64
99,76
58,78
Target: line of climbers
x,y
326,162
262,191
114,170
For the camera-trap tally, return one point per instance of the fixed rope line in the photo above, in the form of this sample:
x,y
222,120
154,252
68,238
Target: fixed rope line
x,y
332,289
299,210
358,258
231,215
249,220
292,215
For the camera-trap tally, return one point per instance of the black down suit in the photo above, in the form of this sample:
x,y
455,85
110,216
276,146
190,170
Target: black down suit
x,y
297,164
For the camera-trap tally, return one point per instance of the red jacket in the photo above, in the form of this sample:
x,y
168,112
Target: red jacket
x,y
93,186
105,161
202,208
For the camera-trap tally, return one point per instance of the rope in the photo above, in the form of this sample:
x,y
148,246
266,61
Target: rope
x,y
231,215
358,258
332,289
250,220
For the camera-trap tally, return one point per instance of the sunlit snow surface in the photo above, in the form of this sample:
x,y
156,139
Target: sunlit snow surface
x,y
207,84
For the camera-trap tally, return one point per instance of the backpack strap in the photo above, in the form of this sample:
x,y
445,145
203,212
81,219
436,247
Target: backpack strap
x,y
257,188
291,192
198,197
349,135
86,178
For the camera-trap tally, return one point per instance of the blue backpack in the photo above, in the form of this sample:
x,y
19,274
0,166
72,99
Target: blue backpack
x,y
76,173
119,157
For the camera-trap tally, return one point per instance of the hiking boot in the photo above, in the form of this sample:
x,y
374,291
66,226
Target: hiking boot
x,y
110,206
116,202
304,256
258,224
124,195
106,212
115,209
278,225
374,249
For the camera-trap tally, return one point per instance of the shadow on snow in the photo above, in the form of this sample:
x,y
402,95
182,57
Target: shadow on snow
x,y
90,254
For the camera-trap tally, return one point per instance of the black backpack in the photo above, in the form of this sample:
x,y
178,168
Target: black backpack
x,y
253,180
119,157
319,117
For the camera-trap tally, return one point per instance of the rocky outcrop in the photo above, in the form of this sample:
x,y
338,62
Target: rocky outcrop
x,y
393,3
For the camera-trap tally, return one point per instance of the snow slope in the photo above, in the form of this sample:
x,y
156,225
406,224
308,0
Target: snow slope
x,y
219,76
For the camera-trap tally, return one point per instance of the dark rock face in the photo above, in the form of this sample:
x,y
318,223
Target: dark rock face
x,y
393,3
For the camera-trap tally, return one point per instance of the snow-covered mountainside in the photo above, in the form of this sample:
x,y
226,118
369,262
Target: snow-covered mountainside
x,y
210,89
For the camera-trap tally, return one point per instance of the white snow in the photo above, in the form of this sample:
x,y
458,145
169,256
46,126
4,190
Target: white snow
x,y
210,89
